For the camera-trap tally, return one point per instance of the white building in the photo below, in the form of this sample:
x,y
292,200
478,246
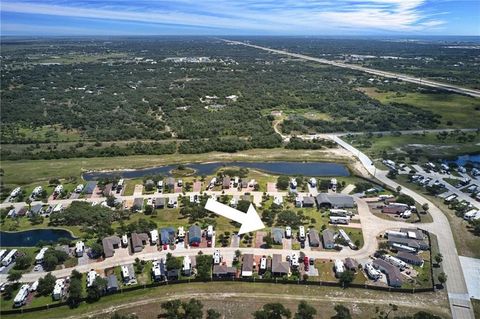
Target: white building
x,y
59,289
21,296
79,248
91,276
7,260
154,237
339,267
40,255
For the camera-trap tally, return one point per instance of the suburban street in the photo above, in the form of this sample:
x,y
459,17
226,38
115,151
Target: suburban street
x,y
398,76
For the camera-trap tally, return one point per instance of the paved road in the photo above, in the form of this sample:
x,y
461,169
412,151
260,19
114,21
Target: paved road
x,y
398,76
459,299
372,227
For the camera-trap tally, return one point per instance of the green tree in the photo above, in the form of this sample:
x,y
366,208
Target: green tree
x,y
192,309
283,182
346,277
46,284
442,278
272,311
438,258
97,289
172,308
96,250
204,267
74,292
305,311
213,314
14,276
342,312
173,262
23,262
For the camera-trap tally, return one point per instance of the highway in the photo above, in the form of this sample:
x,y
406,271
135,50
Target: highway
x,y
460,304
397,76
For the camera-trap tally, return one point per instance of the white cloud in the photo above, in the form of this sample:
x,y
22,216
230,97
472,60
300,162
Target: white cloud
x,y
287,17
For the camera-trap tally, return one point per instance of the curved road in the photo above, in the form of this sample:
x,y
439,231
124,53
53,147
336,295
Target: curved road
x,y
459,298
398,76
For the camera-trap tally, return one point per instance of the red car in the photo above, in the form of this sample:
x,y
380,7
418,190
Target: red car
x,y
306,263
165,247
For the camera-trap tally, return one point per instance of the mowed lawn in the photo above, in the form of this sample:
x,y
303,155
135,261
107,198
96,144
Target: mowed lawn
x,y
462,111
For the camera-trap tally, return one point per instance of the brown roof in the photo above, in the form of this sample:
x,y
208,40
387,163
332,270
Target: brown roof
x,y
279,266
223,270
247,262
138,239
108,244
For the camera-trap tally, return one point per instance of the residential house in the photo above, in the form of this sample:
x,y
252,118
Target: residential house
x,y
328,239
280,268
394,277
36,209
247,265
167,235
413,243
351,264
309,201
170,182
112,283
194,235
277,235
110,244
90,187
138,241
226,182
137,204
410,258
313,238
160,202
224,271
325,200
173,274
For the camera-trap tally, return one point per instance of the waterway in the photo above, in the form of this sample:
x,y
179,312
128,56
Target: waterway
x,y
279,168
30,238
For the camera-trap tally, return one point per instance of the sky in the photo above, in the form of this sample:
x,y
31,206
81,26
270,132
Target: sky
x,y
239,17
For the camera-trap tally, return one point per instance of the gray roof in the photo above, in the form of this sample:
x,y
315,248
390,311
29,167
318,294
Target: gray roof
x,y
409,257
418,233
223,270
335,200
194,231
417,244
279,266
327,236
167,235
351,263
160,201
226,181
112,282
309,200
277,234
36,208
170,181
394,276
138,202
90,187
138,239
247,262
108,244
313,237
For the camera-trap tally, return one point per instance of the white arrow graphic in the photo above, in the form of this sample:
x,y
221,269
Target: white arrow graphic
x,y
250,221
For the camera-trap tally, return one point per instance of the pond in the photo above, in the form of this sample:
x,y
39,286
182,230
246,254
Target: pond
x,y
473,159
279,168
30,238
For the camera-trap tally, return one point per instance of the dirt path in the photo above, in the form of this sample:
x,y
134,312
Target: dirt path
x,y
414,303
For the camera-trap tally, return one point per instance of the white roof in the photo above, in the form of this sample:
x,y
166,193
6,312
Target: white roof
x,y
40,255
22,294
91,275
186,263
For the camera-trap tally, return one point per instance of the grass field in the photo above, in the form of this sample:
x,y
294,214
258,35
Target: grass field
x,y
29,171
461,111
428,143
239,300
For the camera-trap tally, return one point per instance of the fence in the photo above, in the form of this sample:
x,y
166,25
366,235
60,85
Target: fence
x,y
250,280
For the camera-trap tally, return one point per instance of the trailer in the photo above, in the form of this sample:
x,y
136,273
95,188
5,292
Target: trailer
x,y
395,261
209,231
288,232
91,276
338,212
372,273
263,263
339,267
154,237
2,253
181,233
40,255
339,220
21,297
7,260
404,248
395,234
301,233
